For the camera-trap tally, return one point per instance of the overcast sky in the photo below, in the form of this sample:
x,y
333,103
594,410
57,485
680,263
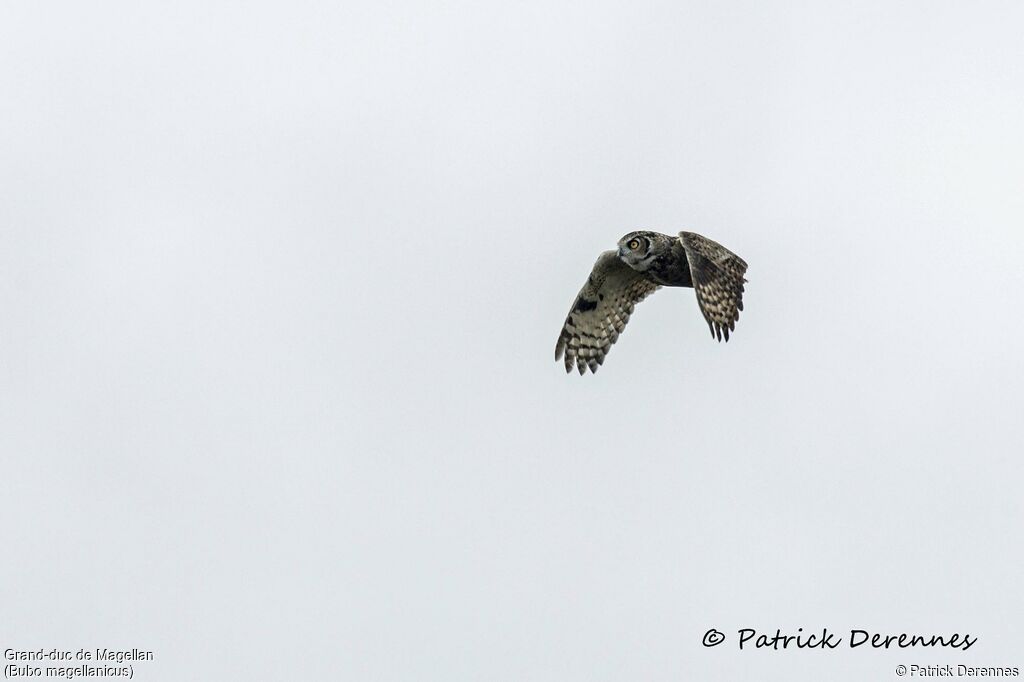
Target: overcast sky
x,y
281,284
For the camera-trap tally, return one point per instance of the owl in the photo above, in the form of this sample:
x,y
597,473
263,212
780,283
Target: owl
x,y
644,262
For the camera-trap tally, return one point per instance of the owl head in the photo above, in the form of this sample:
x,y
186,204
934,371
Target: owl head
x,y
636,249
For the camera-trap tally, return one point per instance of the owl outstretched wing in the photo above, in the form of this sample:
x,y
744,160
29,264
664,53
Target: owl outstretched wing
x,y
600,312
718,280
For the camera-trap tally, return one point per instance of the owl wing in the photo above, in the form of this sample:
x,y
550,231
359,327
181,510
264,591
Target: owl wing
x,y
600,312
718,280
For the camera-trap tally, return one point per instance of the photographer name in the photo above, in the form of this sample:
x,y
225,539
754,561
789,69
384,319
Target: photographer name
x,y
749,638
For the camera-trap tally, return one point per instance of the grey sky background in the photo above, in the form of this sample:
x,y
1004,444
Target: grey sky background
x,y
281,287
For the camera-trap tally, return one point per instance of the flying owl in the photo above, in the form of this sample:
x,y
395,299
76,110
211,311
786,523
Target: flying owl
x,y
644,262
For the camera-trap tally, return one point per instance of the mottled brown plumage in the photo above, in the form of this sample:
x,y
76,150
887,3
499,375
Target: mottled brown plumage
x,y
644,262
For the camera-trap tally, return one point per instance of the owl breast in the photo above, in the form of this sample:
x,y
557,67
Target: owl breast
x,y
670,271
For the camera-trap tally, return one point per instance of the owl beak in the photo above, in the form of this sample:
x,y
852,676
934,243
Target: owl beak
x,y
622,252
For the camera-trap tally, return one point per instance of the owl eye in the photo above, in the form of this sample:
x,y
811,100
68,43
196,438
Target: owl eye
x,y
634,244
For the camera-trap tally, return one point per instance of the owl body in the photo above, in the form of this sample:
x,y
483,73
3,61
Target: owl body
x,y
644,262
